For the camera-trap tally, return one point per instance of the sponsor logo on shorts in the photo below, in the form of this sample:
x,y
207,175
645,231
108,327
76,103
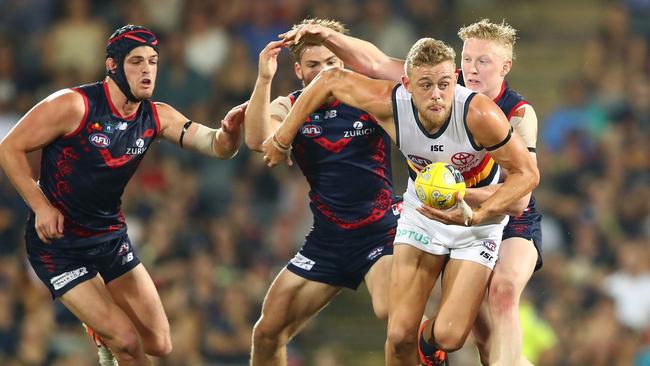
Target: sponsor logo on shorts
x,y
490,245
487,256
303,262
124,248
63,279
127,258
397,208
375,253
413,235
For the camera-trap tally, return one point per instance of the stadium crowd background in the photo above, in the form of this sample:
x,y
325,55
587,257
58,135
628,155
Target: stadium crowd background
x,y
213,234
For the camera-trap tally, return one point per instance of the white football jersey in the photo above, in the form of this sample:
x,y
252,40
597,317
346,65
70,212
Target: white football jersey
x,y
452,143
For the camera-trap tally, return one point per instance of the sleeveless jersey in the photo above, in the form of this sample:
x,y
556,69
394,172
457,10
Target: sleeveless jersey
x,y
509,101
452,143
345,156
83,174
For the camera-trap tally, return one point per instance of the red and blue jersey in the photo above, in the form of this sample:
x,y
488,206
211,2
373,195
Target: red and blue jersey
x,y
345,156
83,174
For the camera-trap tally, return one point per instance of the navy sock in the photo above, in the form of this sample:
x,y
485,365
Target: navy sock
x,y
425,347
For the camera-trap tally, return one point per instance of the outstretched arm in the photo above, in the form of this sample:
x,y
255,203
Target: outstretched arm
x,y
259,124
222,143
355,90
361,56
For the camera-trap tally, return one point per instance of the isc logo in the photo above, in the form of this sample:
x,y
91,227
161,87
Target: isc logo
x,y
311,130
99,140
437,147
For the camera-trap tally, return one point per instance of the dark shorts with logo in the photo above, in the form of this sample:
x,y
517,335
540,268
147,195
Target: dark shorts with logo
x,y
527,226
62,268
341,260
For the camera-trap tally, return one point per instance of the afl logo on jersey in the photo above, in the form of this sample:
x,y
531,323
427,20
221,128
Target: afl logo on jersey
x,y
311,130
420,161
99,140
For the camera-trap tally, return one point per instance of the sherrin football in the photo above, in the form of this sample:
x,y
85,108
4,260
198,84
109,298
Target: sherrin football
x,y
436,185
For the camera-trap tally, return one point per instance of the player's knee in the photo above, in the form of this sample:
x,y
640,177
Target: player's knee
x,y
401,339
503,295
267,334
159,346
449,338
125,345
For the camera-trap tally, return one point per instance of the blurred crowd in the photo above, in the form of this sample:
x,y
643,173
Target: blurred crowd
x,y
213,234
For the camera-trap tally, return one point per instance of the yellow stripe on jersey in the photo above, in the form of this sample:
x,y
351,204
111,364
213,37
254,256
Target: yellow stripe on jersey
x,y
477,176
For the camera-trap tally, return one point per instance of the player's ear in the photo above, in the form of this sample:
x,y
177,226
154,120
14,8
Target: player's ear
x,y
406,82
111,65
507,65
298,70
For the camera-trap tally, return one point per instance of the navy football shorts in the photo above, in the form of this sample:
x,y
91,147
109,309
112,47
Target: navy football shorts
x,y
341,260
527,226
62,268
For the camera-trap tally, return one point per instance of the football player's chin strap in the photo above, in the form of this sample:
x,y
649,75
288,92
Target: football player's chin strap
x,y
202,140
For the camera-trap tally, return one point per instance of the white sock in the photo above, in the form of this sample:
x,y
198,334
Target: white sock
x,y
106,357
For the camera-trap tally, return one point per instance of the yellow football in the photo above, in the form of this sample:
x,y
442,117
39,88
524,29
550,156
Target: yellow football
x,y
436,185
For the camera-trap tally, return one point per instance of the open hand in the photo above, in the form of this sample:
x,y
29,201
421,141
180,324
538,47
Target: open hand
x,y
234,118
460,214
268,62
307,33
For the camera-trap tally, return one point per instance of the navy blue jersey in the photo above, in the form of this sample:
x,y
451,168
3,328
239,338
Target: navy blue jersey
x,y
509,100
83,174
345,156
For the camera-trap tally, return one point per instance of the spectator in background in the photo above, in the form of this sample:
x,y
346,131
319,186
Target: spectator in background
x,y
629,286
207,44
615,49
75,44
390,33
579,121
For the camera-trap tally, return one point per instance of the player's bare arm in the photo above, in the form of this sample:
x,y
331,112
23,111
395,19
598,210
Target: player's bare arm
x,y
491,129
54,117
222,143
361,56
259,123
353,89
524,121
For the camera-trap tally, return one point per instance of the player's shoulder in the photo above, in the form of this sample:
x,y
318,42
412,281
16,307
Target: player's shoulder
x,y
67,101
164,111
483,113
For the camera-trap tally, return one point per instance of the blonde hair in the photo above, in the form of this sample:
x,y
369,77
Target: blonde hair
x,y
296,49
503,33
428,51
